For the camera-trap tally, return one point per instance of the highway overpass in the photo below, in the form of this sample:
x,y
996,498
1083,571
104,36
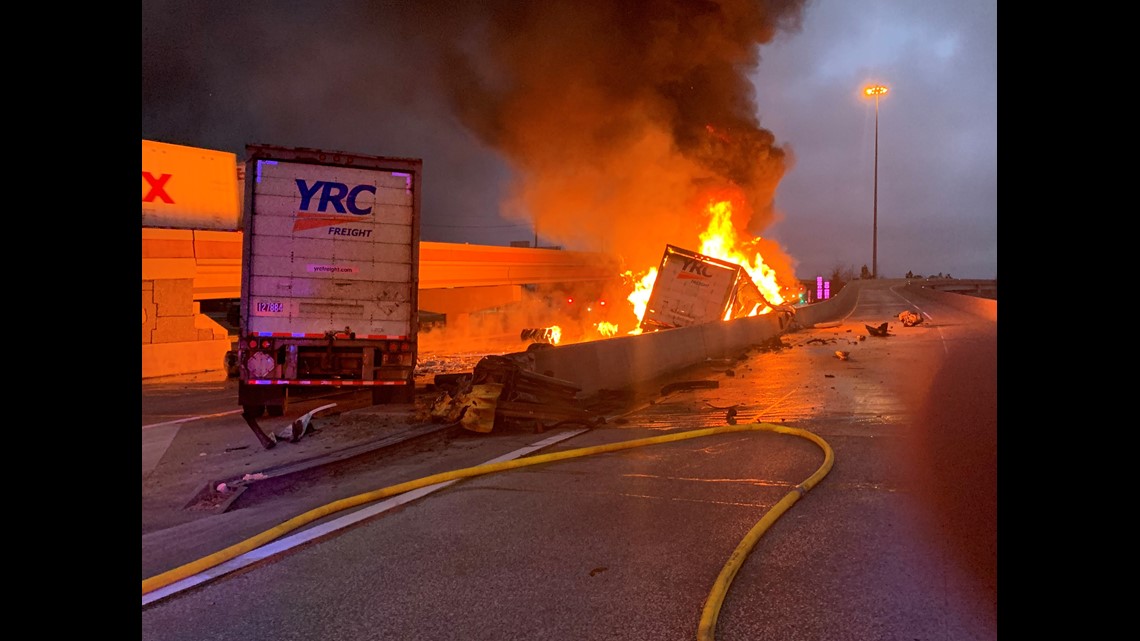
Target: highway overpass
x,y
213,261
181,268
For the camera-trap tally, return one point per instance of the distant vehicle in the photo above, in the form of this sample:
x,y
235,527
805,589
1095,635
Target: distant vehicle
x,y
330,272
692,288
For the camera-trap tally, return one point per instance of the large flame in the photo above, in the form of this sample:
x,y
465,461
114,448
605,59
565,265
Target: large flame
x,y
721,240
642,287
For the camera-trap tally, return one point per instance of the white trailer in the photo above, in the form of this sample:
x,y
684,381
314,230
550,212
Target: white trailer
x,y
693,288
330,277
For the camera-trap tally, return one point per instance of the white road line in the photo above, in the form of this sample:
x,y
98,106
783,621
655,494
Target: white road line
x,y
190,418
277,547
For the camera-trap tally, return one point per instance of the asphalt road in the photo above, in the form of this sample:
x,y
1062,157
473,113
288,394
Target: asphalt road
x,y
898,540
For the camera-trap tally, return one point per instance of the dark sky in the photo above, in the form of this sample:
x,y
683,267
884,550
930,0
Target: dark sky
x,y
607,124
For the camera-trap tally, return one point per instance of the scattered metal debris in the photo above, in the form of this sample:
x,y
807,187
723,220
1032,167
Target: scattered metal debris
x,y
773,344
688,385
453,382
301,426
506,389
843,356
881,330
548,335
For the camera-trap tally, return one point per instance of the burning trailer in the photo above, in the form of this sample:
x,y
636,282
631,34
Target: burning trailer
x,y
693,288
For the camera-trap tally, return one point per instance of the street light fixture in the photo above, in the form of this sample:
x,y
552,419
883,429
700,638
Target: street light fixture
x,y
875,91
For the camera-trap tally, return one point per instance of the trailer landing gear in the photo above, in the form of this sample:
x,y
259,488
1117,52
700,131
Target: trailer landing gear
x,y
251,413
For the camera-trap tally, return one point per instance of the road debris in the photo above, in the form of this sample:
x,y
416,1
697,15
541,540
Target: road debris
x,y
909,318
688,385
302,426
549,335
843,356
881,330
505,390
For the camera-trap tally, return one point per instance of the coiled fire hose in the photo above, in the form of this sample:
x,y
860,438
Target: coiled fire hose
x,y
716,596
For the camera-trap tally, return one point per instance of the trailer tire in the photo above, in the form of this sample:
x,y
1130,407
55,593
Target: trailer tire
x,y
252,411
275,410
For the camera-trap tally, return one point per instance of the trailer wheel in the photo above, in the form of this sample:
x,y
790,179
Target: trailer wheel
x,y
275,410
252,411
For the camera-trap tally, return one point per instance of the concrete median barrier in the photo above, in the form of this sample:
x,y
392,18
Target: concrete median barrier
x,y
624,361
976,305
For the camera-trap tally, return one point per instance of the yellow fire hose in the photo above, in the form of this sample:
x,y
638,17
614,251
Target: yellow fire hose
x,y
719,589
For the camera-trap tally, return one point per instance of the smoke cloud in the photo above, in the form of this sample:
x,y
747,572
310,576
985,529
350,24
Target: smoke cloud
x,y
621,119
604,125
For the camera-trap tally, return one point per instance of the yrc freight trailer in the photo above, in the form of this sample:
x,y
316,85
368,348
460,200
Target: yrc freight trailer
x,y
692,288
330,277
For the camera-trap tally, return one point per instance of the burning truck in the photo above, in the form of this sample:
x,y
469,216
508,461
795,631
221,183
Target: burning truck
x,y
726,280
693,288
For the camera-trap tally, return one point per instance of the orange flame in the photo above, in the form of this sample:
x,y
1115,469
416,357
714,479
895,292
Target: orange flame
x,y
721,240
639,297
606,329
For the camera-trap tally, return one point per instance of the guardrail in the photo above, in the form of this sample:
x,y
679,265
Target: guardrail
x,y
972,287
613,363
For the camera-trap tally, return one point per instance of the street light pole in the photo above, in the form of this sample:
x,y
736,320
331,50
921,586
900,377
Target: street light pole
x,y
876,91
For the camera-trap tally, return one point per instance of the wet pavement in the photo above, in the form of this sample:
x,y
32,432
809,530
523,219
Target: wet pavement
x,y
873,405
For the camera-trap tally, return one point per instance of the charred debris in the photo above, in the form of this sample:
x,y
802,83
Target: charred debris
x,y
505,392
